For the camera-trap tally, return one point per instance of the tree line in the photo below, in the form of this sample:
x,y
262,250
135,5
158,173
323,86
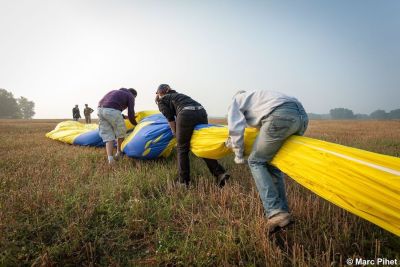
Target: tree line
x,y
15,108
348,114
22,108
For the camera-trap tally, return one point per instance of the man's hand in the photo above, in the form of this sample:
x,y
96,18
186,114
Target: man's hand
x,y
172,125
228,143
240,160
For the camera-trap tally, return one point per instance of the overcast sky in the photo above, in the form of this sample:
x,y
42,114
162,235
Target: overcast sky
x,y
328,54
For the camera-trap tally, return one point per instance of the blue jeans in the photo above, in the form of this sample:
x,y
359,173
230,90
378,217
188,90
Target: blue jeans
x,y
286,120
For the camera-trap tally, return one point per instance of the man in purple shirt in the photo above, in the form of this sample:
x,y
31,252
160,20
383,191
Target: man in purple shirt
x,y
111,122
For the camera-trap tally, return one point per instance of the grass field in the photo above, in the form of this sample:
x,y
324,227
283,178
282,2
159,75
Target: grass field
x,y
61,205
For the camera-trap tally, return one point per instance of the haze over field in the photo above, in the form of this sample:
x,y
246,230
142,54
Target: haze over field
x,y
327,54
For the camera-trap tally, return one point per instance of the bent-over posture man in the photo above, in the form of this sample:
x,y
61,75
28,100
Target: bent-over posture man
x,y
183,114
111,121
278,116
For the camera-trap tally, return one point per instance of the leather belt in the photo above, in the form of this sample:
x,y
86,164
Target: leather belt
x,y
193,108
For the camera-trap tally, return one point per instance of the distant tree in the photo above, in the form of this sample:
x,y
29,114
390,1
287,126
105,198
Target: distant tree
x,y
361,116
326,116
26,107
379,115
9,108
394,114
341,113
314,116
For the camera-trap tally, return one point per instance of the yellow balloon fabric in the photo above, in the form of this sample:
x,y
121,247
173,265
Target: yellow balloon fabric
x,y
140,116
67,131
364,183
209,141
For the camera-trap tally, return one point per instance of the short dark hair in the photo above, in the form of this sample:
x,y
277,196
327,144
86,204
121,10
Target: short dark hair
x,y
133,91
163,88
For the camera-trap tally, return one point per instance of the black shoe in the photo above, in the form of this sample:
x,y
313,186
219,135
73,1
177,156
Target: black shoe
x,y
182,183
222,178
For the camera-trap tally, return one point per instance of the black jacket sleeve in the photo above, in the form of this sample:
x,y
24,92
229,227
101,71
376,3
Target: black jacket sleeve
x,y
165,109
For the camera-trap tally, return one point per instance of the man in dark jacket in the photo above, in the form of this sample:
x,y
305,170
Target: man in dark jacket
x,y
76,114
183,114
111,122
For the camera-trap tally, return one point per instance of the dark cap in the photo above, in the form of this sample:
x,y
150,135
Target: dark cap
x,y
163,88
133,91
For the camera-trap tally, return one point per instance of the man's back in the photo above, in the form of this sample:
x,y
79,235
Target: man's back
x,y
76,113
255,105
116,99
120,100
171,104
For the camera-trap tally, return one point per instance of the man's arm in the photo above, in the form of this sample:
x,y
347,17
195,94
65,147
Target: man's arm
x,y
236,125
168,113
131,110
172,125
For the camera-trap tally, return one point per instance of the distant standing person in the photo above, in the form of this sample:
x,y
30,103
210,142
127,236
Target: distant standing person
x,y
87,112
76,114
278,116
111,122
183,114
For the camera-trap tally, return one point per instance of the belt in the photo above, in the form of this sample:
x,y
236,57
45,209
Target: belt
x,y
193,108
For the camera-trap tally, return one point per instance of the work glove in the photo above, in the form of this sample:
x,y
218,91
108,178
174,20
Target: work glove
x,y
228,143
240,160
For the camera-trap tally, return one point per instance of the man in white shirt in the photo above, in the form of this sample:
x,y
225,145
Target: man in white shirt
x,y
278,116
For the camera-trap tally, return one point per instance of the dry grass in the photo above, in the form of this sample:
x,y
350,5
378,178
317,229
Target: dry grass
x,y
62,205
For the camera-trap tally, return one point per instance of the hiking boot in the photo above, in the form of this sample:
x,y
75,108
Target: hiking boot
x,y
222,178
180,183
279,220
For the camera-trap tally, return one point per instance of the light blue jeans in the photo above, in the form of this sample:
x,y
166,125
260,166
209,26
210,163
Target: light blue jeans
x,y
286,120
